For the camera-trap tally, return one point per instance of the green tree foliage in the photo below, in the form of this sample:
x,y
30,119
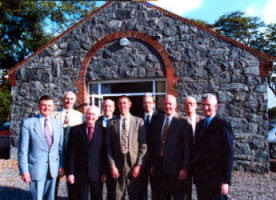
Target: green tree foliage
x,y
252,32
25,26
5,98
239,27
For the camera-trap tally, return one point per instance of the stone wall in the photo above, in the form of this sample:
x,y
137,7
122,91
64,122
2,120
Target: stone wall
x,y
203,63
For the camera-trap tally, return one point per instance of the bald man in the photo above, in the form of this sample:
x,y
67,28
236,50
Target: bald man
x,y
169,152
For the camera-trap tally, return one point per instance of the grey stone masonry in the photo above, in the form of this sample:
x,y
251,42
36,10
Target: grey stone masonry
x,y
203,63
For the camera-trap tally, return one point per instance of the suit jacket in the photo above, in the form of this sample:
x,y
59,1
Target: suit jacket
x,y
177,148
86,160
213,159
137,141
34,155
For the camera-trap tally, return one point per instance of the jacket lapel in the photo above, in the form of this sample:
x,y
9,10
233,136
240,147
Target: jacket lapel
x,y
39,132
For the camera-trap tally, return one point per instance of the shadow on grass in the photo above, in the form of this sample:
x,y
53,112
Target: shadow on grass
x,y
11,193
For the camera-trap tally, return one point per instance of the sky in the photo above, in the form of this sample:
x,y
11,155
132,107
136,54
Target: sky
x,y
211,10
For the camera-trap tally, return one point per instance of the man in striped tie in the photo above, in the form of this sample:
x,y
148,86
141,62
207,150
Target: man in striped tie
x,y
40,151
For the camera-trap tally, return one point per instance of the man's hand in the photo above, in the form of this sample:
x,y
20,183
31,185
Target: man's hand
x,y
224,188
152,170
61,172
26,177
182,174
114,171
136,171
71,179
103,178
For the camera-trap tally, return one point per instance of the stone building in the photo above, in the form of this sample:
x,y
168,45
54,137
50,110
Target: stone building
x,y
134,48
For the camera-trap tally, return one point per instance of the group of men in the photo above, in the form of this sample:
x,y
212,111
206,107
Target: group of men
x,y
128,153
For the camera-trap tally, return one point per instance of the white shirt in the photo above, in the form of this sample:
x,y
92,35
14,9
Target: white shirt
x,y
193,122
148,114
75,117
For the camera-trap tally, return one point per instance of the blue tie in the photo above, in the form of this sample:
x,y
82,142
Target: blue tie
x,y
206,122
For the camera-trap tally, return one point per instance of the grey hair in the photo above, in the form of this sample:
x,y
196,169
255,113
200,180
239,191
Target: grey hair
x,y
95,109
209,96
70,92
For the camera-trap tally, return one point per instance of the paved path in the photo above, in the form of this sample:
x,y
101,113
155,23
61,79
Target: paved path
x,y
245,186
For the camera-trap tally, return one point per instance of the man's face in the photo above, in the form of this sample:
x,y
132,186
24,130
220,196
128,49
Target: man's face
x,y
69,100
169,105
124,105
46,107
148,104
108,108
209,107
190,106
91,116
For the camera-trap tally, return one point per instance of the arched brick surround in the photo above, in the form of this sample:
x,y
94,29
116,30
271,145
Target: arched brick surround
x,y
169,70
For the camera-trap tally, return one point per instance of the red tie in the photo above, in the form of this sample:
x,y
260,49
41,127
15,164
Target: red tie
x,y
90,132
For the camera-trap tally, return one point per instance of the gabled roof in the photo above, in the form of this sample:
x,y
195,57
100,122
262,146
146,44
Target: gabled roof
x,y
266,61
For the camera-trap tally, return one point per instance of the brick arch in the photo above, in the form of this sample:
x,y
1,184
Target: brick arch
x,y
169,70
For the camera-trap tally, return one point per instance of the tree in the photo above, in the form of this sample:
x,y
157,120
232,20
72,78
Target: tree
x,y
25,26
239,27
252,32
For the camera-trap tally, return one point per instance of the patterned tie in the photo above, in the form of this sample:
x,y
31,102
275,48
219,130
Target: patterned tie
x,y
164,136
90,133
66,119
124,137
47,133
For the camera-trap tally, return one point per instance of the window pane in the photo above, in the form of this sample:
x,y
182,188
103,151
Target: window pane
x,y
94,88
160,86
137,87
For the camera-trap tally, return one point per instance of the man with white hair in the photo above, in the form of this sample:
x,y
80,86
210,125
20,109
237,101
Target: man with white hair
x,y
213,155
192,118
70,117
85,162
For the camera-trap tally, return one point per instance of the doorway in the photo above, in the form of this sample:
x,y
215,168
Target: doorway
x,y
134,89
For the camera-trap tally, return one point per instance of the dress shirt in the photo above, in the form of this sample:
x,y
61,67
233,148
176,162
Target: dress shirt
x,y
105,121
75,117
193,122
148,114
42,122
209,119
164,122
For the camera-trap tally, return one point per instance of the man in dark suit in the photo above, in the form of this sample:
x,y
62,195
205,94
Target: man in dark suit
x,y
148,105
85,162
213,156
169,151
126,148
108,109
192,118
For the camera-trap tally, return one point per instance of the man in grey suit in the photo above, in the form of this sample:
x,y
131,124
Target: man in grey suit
x,y
126,148
40,151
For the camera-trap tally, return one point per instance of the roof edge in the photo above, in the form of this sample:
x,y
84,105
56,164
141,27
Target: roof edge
x,y
14,68
219,35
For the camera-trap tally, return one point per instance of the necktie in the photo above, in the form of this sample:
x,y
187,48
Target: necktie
x,y
90,132
124,137
164,136
66,119
47,133
206,123
147,122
